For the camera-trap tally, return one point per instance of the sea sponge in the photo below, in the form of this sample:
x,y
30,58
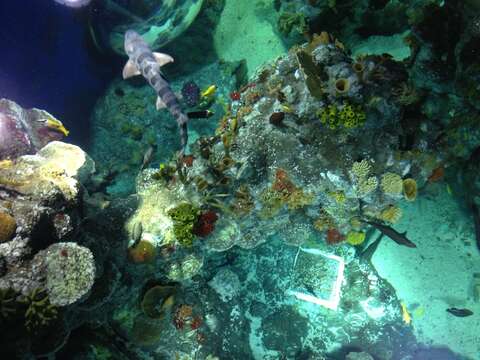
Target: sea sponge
x,y
143,252
410,189
70,272
367,186
390,214
361,169
157,300
7,227
342,86
392,183
355,237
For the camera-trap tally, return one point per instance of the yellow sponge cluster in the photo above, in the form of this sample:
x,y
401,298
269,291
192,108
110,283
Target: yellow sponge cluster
x,y
348,116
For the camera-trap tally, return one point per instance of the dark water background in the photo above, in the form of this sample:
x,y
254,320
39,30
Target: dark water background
x,y
47,61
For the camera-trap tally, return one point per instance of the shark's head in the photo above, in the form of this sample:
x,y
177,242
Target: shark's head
x,y
132,39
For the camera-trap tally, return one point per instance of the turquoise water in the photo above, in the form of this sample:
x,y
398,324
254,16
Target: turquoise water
x,y
233,179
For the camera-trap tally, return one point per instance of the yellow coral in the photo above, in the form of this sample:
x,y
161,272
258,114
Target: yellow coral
x,y
366,186
324,221
299,199
338,196
391,214
392,183
410,189
361,169
355,237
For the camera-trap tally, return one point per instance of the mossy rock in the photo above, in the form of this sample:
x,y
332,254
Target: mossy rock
x,y
8,226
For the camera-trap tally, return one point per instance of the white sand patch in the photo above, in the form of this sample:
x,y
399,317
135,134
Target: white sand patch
x,y
377,45
242,34
438,274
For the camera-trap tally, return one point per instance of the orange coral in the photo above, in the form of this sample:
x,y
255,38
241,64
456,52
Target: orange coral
x,y
282,183
7,226
143,252
437,174
182,314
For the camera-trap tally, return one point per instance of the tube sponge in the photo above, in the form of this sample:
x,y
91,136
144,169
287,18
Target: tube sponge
x,y
70,272
410,189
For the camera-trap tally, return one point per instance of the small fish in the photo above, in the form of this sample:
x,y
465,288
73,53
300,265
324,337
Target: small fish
x,y
147,157
287,109
204,114
460,312
407,319
399,238
137,232
449,189
209,91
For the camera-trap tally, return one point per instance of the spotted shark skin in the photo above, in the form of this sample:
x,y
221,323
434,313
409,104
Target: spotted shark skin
x,y
142,61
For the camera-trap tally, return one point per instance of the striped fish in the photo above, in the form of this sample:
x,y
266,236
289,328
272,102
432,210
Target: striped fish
x,y
142,61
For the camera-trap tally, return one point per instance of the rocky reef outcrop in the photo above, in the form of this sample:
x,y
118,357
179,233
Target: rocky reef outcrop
x,y
43,269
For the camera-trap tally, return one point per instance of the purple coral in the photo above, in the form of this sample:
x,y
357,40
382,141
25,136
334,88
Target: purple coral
x,y
191,93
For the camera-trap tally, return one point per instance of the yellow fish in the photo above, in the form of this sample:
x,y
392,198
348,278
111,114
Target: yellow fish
x,y
57,125
407,319
449,189
419,312
209,91
287,108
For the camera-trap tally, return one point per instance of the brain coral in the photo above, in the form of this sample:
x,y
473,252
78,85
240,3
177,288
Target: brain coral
x,y
392,184
70,272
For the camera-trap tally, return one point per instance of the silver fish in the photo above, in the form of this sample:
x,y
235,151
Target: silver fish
x,y
142,61
147,157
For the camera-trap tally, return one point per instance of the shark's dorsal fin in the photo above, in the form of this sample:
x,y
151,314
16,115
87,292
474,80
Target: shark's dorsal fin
x,y
130,70
160,104
162,59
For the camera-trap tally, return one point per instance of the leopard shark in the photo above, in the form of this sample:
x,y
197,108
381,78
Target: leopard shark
x,y
142,61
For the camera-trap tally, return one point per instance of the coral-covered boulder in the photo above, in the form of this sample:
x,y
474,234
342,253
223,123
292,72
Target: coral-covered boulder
x,y
40,198
25,131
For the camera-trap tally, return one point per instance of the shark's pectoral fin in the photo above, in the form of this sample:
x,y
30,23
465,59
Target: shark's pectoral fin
x,y
162,59
160,104
130,70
